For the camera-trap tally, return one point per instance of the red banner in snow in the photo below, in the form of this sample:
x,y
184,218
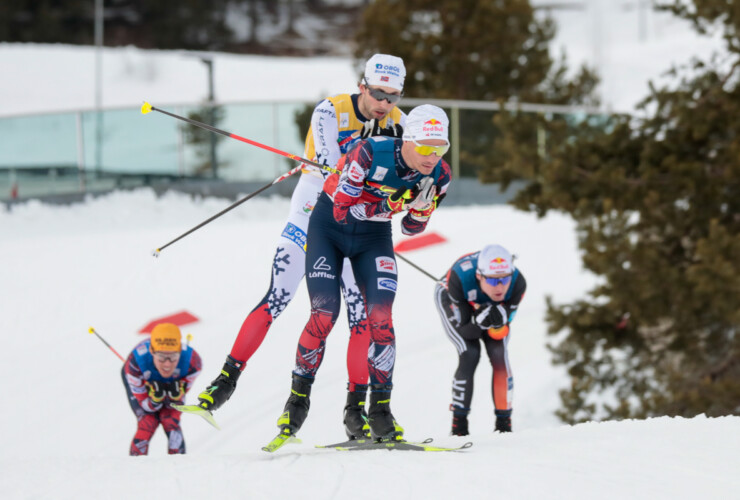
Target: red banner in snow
x,y
179,319
421,241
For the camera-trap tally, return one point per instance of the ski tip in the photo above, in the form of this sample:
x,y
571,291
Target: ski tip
x,y
280,440
146,108
197,410
91,330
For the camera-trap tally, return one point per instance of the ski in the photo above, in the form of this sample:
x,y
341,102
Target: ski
x,y
280,440
197,410
369,444
347,444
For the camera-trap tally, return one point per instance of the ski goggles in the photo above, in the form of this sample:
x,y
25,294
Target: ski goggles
x,y
425,150
172,357
504,280
379,95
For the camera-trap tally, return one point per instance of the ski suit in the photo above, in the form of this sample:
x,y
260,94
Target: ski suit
x,y
352,220
457,297
136,372
335,126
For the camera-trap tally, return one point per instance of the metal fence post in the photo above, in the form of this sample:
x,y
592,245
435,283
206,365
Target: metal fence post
x,y
80,152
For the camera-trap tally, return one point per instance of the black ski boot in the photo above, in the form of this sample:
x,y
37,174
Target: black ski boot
x,y
296,408
222,387
459,423
503,421
383,426
355,417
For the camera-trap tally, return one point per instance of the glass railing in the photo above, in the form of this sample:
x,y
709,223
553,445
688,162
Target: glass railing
x,y
87,151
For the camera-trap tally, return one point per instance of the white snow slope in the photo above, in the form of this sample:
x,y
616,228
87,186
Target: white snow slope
x,y
67,425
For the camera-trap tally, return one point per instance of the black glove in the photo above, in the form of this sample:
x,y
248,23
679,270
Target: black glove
x,y
397,201
371,128
392,131
491,316
176,390
156,391
419,197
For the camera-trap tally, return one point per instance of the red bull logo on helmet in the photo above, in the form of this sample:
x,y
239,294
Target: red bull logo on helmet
x,y
498,264
433,125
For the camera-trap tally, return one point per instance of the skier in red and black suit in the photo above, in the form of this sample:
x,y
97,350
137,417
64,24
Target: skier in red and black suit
x,y
159,372
477,301
380,177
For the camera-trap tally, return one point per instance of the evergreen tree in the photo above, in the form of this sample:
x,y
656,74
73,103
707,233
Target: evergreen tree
x,y
202,139
476,50
657,203
461,49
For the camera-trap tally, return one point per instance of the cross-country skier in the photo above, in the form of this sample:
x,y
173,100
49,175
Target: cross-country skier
x,y
159,372
381,177
477,301
337,123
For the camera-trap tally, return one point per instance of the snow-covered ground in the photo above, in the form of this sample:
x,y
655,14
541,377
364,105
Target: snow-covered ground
x,y
67,425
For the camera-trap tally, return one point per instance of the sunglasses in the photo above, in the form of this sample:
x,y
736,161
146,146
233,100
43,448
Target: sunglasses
x,y
498,281
162,357
379,95
425,150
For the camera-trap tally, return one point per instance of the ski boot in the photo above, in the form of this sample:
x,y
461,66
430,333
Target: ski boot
x,y
355,417
503,421
296,408
222,387
383,427
459,423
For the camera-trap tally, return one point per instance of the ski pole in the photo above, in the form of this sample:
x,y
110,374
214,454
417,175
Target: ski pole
x,y
417,267
91,330
230,207
146,108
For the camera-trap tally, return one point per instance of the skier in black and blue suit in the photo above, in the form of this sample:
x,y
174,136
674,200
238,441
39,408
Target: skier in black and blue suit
x,y
477,301
380,177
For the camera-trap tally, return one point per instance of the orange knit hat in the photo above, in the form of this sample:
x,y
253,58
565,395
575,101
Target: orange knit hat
x,y
166,337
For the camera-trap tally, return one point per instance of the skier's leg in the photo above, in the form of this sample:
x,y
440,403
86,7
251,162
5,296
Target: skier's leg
x,y
146,426
359,335
324,262
502,384
323,270
288,268
468,352
170,420
375,270
355,415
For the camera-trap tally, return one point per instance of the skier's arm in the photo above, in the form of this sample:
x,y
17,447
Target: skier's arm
x,y
466,329
139,388
416,220
347,206
193,370
517,294
325,135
